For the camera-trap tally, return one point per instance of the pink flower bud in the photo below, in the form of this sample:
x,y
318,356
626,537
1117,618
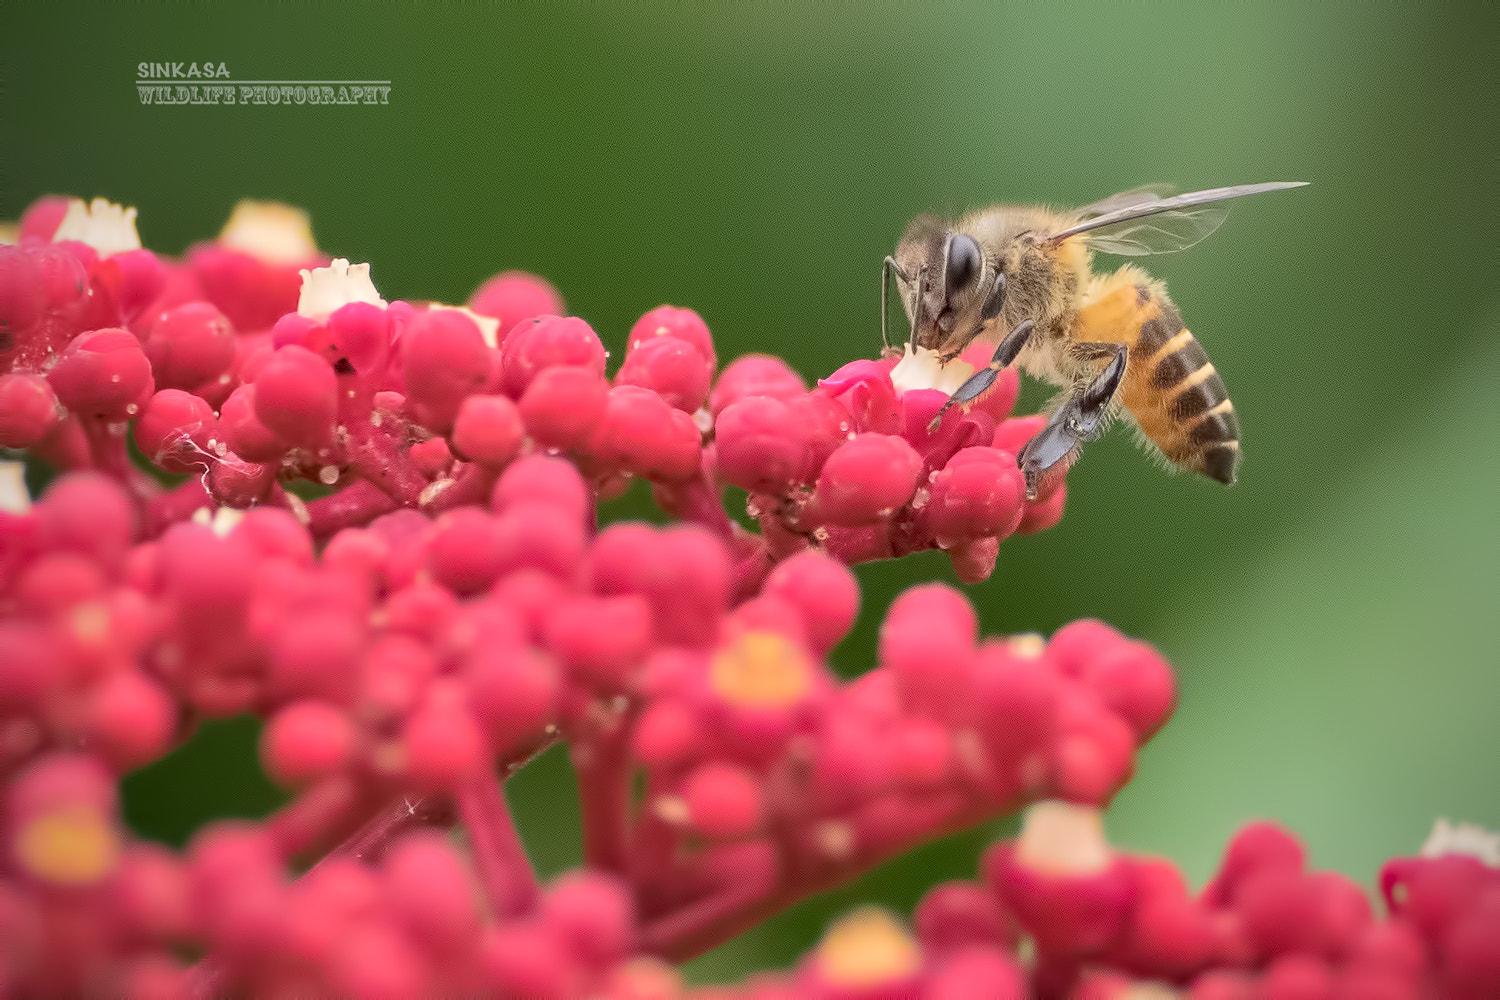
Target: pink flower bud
x,y
177,432
976,973
666,734
642,435
28,410
563,405
528,960
684,572
296,398
432,893
103,373
1256,847
980,492
488,430
88,513
444,744
60,828
464,551
1045,512
1062,881
128,721
927,642
443,360
602,639
514,296
673,322
546,481
1471,951
306,740
825,593
867,480
762,446
674,369
251,292
514,694
189,345
544,342
317,655
723,801
150,893
755,375
43,216
1285,911
591,914
360,333
243,432
959,914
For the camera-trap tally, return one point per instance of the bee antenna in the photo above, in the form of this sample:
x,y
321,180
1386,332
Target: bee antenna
x,y
916,308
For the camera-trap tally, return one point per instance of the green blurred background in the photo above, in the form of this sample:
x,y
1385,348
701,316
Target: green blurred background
x,y
1332,617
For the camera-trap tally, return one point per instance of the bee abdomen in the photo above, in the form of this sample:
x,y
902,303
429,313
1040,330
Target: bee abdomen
x,y
1195,424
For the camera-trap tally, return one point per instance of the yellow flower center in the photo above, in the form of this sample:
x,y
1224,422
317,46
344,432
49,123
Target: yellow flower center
x,y
761,670
866,948
73,846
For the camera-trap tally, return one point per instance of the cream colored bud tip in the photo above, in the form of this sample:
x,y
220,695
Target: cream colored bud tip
x,y
13,496
103,225
1062,838
270,232
489,326
920,368
1468,839
326,289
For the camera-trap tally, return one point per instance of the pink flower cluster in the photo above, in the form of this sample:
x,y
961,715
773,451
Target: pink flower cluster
x,y
451,606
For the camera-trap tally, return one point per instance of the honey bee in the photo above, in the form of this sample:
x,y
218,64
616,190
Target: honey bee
x,y
1021,277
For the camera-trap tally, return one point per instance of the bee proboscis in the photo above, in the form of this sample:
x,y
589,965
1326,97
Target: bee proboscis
x,y
1022,277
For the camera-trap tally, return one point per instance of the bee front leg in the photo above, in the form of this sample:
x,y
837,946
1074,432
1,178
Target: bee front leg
x,y
977,384
1082,417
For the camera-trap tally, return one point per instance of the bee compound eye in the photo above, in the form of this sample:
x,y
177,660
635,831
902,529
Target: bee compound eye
x,y
963,262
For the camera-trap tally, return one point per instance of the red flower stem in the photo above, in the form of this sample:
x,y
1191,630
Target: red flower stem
x,y
176,505
107,448
470,487
695,501
354,506
65,447
504,870
745,881
377,455
602,762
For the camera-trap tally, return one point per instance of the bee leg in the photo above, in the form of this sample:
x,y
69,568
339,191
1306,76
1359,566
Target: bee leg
x,y
1081,418
979,383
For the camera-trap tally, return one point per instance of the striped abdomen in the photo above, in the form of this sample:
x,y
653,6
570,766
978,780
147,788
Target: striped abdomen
x,y
1170,387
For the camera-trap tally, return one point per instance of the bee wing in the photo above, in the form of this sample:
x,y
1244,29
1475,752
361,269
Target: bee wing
x,y
1153,224
1126,199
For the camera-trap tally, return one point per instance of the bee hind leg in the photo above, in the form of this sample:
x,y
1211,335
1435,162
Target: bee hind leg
x,y
1082,417
979,383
